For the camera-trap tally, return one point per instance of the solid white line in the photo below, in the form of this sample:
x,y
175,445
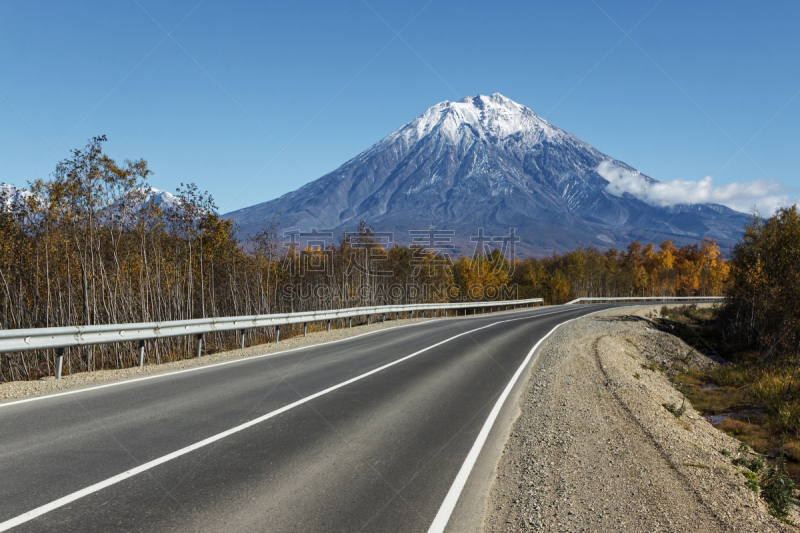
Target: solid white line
x,y
30,515
449,503
240,360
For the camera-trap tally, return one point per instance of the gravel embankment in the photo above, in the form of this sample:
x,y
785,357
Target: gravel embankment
x,y
594,450
49,385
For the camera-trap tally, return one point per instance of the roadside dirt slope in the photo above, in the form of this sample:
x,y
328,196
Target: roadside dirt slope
x,y
594,450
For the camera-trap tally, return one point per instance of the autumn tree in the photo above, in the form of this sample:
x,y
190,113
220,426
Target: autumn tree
x,y
763,310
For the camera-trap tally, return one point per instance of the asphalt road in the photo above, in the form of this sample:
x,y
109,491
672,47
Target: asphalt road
x,y
379,453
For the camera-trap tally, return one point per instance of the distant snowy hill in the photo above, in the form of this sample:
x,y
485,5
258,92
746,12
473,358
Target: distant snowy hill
x,y
489,162
157,197
10,195
166,201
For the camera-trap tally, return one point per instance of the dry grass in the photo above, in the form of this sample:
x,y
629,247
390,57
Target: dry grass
x,y
792,450
762,402
712,400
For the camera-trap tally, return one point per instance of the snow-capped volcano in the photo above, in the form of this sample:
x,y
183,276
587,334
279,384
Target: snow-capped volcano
x,y
487,161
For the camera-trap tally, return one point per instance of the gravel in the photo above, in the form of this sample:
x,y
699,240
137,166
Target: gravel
x,y
594,450
48,385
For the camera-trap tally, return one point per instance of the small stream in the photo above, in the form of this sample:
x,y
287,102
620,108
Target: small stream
x,y
747,415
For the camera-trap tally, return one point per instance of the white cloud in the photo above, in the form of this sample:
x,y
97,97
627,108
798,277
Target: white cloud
x,y
764,195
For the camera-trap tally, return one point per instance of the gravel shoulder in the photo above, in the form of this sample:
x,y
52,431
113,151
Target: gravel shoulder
x,y
49,385
594,450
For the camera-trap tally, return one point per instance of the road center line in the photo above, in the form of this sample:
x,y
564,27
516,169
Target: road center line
x,y
39,511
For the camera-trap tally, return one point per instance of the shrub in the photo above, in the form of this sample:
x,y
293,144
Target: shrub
x,y
778,488
652,366
788,415
752,480
755,465
677,412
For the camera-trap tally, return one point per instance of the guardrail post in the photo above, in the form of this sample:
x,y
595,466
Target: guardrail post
x,y
10,342
59,362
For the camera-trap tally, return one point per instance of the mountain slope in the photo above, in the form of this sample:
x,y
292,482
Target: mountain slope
x,y
488,162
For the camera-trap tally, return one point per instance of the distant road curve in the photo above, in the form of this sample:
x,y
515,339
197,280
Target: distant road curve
x,y
375,433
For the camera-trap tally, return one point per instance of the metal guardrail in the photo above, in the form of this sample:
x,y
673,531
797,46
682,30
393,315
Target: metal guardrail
x,y
649,299
24,340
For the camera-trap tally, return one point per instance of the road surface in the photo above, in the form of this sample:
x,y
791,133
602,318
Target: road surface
x,y
365,434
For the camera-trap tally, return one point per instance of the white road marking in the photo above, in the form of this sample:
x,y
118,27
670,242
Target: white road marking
x,y
39,511
203,367
449,503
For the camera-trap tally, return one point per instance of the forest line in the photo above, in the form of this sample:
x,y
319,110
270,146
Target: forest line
x,y
89,246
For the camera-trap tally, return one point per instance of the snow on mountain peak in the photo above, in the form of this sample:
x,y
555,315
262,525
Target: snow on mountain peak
x,y
491,118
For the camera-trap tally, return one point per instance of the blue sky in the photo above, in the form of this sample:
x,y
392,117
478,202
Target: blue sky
x,y
252,100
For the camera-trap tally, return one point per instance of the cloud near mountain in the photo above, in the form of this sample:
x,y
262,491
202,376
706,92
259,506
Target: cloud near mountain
x,y
764,195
